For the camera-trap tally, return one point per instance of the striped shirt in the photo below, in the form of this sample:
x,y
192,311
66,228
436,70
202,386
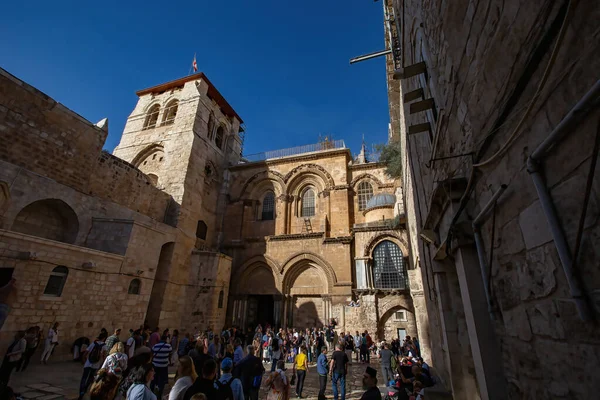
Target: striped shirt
x,y
161,353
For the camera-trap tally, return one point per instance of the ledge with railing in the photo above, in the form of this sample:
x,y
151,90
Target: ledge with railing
x,y
294,151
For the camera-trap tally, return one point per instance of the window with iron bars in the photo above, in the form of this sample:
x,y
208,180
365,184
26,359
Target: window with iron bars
x,y
365,192
308,203
268,207
389,271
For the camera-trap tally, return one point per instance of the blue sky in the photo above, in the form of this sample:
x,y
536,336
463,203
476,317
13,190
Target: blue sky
x,y
282,65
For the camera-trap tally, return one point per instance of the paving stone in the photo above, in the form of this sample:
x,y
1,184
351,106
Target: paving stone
x,y
31,395
51,397
38,385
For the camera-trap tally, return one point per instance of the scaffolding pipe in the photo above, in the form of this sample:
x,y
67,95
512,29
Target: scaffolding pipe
x,y
483,265
369,56
535,169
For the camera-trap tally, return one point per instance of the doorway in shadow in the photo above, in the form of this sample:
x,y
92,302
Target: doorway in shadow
x,y
260,309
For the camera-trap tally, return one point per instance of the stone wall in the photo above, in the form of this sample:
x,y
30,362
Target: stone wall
x,y
479,101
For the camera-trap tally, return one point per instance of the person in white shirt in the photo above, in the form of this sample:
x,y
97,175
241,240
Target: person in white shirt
x,y
130,345
51,342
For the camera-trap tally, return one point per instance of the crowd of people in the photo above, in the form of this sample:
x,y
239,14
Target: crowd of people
x,y
224,365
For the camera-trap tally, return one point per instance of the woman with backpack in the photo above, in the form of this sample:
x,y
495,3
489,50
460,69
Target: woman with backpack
x,y
94,356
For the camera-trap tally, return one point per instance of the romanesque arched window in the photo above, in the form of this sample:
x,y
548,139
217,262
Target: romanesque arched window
x,y
152,117
170,112
388,266
134,286
211,127
365,192
56,281
268,207
201,230
308,203
219,137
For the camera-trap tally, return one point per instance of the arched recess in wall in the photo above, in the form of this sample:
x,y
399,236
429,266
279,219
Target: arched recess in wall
x,y
170,112
386,236
385,316
258,278
299,262
147,152
151,119
50,219
244,272
150,161
259,182
161,278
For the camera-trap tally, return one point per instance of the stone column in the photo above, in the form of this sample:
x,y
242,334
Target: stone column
x,y
277,310
484,345
360,268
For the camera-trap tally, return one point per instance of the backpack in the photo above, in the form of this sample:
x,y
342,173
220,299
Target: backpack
x,y
275,344
96,353
224,391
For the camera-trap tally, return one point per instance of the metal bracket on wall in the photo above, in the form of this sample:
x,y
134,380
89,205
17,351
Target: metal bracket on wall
x,y
423,105
418,128
411,70
414,95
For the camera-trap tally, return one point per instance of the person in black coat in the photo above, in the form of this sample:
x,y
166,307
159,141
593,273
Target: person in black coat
x,y
250,371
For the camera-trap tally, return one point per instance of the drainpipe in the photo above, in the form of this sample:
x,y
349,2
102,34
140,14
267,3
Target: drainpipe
x,y
483,265
535,169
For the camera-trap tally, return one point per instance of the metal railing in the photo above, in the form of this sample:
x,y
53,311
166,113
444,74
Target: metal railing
x,y
293,151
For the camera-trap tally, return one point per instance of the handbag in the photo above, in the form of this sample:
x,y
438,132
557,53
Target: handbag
x,y
293,381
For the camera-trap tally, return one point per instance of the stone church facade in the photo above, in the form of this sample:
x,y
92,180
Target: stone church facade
x,y
177,229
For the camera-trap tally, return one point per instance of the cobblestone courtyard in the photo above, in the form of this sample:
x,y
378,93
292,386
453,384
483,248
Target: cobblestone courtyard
x,y
60,381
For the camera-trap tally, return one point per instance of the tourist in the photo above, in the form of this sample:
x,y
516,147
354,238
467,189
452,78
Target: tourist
x,y
161,354
277,383
182,348
227,384
228,351
215,348
154,337
238,354
199,357
11,358
199,396
338,368
139,390
105,386
256,345
369,346
51,342
116,361
112,339
276,345
357,343
250,370
185,377
94,356
301,369
323,371
205,383
131,343
386,363
79,346
174,342
32,338
370,385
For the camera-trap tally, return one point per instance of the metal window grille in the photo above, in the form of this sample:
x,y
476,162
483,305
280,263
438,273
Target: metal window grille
x,y
56,281
388,270
170,113
308,203
365,192
134,286
268,207
152,117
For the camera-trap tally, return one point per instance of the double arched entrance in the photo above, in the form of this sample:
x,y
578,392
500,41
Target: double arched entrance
x,y
295,295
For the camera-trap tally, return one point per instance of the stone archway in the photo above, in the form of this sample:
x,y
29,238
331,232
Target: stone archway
x,y
307,283
50,219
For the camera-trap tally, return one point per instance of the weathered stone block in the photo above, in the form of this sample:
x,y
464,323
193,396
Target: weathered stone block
x,y
534,226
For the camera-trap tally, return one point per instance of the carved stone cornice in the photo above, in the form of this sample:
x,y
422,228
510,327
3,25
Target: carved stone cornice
x,y
339,239
296,236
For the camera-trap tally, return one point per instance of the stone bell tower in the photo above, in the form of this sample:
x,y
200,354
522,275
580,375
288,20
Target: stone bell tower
x,y
183,135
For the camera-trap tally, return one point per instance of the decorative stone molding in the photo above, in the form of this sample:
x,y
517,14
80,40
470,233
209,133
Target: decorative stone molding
x,y
262,175
367,177
314,168
296,236
339,239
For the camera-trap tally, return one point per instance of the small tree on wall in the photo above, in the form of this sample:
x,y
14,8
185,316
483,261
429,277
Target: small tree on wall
x,y
391,156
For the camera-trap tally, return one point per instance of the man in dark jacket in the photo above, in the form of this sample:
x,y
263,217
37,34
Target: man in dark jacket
x,y
250,371
205,383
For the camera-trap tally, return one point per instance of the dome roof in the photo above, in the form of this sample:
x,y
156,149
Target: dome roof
x,y
381,199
